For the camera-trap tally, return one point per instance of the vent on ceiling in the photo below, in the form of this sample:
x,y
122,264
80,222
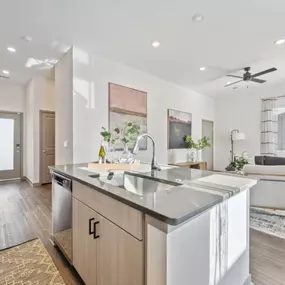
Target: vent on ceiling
x,y
4,77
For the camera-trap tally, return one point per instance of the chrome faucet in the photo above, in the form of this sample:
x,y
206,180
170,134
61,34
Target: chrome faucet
x,y
135,150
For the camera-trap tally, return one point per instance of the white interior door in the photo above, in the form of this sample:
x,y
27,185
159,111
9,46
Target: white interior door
x,y
208,152
10,145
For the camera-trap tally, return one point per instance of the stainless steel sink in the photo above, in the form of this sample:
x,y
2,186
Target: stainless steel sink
x,y
137,184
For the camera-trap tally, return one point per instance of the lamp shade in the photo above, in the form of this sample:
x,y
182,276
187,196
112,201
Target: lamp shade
x,y
238,136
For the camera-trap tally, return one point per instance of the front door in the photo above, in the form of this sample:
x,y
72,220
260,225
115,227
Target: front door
x,y
10,145
47,139
208,152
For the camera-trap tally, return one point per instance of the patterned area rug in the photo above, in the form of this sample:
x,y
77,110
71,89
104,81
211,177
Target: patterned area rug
x,y
28,264
268,221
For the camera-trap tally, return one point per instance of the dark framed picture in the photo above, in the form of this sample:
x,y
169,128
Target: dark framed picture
x,y
179,126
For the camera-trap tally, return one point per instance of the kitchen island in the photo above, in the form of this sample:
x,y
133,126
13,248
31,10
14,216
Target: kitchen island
x,y
172,227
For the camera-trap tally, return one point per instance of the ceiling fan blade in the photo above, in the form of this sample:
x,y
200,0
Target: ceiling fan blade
x,y
234,76
264,72
257,80
227,85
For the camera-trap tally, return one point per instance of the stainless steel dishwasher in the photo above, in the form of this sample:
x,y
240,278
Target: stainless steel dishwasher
x,y
62,214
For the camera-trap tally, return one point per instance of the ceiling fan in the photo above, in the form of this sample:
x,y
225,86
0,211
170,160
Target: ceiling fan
x,y
250,77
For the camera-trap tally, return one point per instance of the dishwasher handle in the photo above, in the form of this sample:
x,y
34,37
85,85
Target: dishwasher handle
x,y
62,181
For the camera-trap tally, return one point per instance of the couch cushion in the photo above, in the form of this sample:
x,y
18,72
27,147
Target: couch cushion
x,y
274,160
259,160
265,170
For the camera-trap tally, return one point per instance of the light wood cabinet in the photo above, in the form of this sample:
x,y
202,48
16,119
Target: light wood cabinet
x,y
84,244
103,253
120,256
126,217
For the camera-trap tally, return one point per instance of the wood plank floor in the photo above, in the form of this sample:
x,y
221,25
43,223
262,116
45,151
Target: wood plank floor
x,y
25,213
267,259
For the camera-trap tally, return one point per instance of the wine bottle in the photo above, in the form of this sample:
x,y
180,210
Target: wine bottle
x,y
102,153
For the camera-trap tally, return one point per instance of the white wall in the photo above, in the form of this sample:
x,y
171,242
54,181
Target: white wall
x,y
63,107
29,115
12,97
91,75
40,95
240,110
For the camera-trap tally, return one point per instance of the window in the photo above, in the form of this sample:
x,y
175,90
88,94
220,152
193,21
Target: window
x,y
281,131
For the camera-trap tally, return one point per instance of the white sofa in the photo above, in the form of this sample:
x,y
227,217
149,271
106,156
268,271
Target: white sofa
x,y
270,191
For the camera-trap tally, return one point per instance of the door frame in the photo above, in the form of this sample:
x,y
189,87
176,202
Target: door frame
x,y
21,142
41,141
210,121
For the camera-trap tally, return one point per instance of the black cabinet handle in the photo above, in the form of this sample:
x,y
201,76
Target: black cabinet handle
x,y
90,225
93,231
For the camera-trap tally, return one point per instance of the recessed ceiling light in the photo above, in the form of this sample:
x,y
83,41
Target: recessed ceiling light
x,y
156,44
11,49
197,18
279,42
27,38
6,72
202,68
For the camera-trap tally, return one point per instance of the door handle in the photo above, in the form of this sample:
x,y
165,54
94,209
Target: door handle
x,y
92,231
44,151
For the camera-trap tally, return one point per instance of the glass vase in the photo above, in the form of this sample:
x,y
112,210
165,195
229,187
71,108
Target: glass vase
x,y
126,157
199,155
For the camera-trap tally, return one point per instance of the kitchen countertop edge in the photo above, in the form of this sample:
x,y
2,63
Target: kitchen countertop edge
x,y
156,215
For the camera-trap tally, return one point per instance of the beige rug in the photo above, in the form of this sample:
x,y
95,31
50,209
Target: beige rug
x,y
268,221
28,264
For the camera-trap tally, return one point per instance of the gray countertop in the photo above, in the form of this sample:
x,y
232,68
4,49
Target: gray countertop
x,y
190,196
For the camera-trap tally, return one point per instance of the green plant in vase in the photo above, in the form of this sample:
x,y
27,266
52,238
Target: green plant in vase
x,y
237,164
192,146
190,142
109,140
200,145
106,135
203,143
127,136
128,133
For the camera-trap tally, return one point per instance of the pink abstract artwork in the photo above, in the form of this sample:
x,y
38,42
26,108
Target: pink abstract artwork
x,y
127,105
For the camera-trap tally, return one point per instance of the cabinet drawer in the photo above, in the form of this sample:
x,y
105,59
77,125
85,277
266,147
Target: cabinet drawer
x,y
126,217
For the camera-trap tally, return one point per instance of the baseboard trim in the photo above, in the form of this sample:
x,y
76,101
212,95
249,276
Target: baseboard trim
x,y
30,182
10,180
248,281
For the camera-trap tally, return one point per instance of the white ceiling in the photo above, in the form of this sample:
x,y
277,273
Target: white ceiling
x,y
233,34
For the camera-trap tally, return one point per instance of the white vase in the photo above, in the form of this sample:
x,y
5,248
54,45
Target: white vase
x,y
199,155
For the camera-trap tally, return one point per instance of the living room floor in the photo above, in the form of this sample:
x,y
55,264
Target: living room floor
x,y
25,213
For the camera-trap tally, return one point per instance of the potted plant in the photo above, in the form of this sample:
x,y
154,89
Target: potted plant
x,y
199,146
127,135
237,164
192,146
106,135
